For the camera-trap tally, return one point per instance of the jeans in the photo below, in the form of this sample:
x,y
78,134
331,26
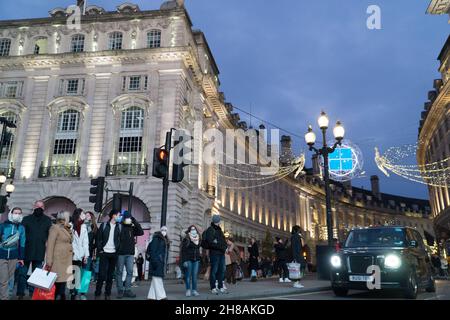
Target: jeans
x,y
74,291
191,272
283,269
128,262
22,281
231,273
108,262
60,291
217,271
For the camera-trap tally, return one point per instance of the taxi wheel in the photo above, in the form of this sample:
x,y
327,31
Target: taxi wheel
x,y
340,292
411,287
431,287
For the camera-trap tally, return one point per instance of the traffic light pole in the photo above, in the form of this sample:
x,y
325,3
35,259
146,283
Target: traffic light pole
x,y
165,191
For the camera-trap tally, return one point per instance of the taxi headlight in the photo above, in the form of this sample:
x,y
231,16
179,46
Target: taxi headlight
x,y
392,261
335,261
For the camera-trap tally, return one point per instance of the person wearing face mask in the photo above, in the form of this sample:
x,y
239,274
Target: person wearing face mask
x,y
92,229
129,231
37,226
12,249
190,260
108,242
296,243
80,246
159,252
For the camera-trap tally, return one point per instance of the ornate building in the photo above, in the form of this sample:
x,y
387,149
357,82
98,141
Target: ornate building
x,y
96,101
434,130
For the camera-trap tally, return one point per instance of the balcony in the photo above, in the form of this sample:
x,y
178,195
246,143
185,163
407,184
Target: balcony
x,y
126,169
59,172
9,172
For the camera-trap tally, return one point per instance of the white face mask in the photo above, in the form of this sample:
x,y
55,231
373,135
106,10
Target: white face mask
x,y
17,217
164,233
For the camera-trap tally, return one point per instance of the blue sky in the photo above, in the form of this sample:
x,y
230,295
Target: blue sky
x,y
287,60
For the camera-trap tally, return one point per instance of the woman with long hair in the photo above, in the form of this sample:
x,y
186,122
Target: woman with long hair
x,y
190,259
159,251
80,246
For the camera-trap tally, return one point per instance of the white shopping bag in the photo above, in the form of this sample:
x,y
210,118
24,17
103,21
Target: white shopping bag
x,y
295,272
42,279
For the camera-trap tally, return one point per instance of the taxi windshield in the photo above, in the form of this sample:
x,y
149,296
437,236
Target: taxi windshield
x,y
383,237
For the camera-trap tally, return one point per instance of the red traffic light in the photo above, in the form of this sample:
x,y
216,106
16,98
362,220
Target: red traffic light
x,y
163,155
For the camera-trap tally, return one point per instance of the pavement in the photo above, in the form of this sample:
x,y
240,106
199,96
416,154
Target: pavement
x,y
243,290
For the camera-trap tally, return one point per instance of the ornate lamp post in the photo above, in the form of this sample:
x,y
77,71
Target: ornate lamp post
x,y
324,151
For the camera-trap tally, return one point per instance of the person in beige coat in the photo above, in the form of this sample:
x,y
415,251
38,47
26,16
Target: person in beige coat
x,y
59,253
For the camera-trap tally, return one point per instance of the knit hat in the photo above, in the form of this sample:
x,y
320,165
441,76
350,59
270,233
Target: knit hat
x,y
216,219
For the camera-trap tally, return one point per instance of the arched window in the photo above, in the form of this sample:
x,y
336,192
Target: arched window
x,y
115,41
40,46
66,136
154,39
8,143
130,139
5,47
77,43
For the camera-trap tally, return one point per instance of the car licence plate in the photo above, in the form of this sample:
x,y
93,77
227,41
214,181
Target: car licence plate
x,y
361,278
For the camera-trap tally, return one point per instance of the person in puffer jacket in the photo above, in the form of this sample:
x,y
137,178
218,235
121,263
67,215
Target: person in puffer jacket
x,y
12,249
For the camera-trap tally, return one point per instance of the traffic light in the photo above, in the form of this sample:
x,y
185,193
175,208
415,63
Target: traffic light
x,y
97,193
160,163
3,202
178,162
117,202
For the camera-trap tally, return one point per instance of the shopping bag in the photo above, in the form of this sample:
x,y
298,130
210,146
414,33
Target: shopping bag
x,y
239,274
40,294
295,271
85,281
42,279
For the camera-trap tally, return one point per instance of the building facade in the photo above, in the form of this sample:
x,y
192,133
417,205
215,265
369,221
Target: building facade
x,y
95,101
434,131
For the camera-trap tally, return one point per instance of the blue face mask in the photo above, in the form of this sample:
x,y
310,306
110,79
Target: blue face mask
x,y
193,233
119,219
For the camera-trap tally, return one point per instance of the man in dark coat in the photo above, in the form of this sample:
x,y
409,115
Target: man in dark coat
x,y
282,259
37,226
130,229
297,247
254,254
214,241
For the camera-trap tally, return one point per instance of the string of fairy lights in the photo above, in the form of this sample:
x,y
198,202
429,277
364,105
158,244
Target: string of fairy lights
x,y
436,174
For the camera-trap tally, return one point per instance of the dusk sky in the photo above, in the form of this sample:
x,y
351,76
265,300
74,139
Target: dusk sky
x,y
287,60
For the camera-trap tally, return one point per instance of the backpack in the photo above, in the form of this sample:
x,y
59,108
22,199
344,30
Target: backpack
x,y
205,244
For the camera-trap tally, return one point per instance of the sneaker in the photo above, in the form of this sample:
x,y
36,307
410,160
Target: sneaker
x,y
188,293
120,295
287,280
215,291
129,294
223,291
281,280
83,297
195,293
298,285
223,286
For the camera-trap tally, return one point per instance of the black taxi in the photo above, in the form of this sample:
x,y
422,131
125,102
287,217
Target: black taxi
x,y
384,257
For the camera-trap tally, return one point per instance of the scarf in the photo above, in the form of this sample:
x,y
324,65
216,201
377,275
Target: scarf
x,y
195,240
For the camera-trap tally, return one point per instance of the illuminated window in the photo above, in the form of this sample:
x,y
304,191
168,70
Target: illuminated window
x,y
40,46
66,136
8,142
115,41
5,47
154,39
131,136
77,44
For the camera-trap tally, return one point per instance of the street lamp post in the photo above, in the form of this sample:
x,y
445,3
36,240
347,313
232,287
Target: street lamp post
x,y
324,151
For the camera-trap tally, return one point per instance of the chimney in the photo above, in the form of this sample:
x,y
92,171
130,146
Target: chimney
x,y
375,182
82,4
286,155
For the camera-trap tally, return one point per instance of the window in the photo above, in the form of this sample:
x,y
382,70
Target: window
x,y
77,44
71,87
8,142
5,46
154,39
130,137
66,136
11,89
40,46
115,41
135,83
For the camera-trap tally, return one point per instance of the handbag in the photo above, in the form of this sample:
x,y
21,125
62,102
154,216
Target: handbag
x,y
42,279
85,281
40,294
295,271
239,274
